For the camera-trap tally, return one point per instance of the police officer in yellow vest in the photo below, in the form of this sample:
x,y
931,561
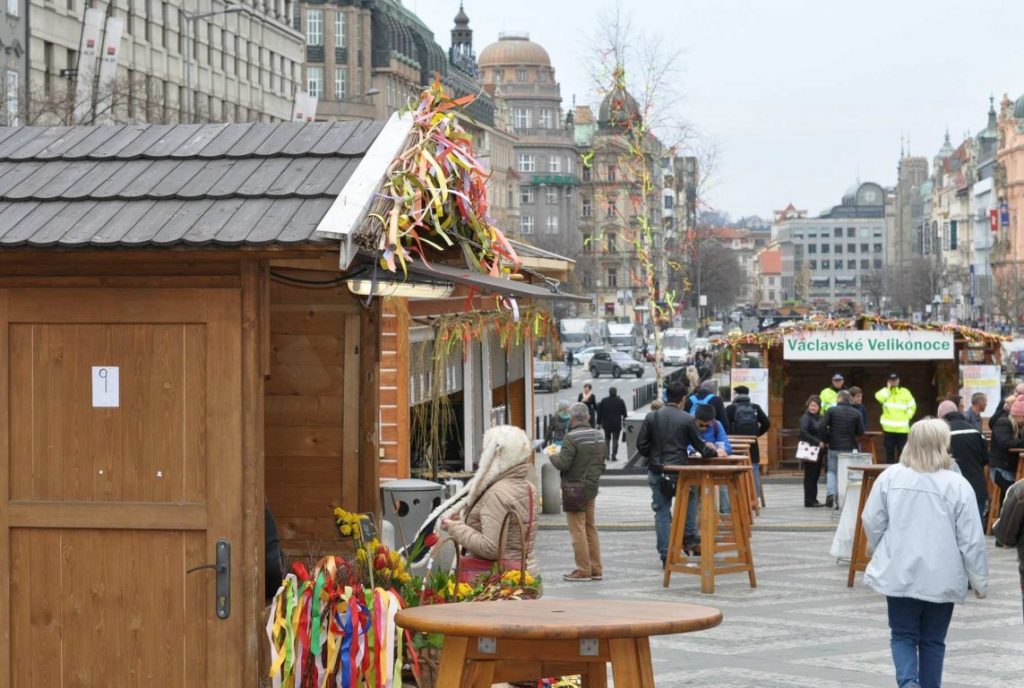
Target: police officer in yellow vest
x,y
898,407
828,395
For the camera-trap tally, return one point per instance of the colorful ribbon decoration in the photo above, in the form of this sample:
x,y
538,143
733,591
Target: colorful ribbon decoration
x,y
326,634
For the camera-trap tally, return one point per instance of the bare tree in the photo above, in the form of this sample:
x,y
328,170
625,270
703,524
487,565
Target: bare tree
x,y
874,286
1007,295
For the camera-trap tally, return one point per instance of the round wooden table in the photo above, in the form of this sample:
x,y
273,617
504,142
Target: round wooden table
x,y
491,642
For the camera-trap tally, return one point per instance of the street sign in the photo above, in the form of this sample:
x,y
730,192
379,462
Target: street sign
x,y
703,299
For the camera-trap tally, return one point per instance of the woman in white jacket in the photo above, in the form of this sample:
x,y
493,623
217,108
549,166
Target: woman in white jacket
x,y
922,520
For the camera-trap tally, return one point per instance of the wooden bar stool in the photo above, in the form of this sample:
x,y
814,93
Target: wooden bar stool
x,y
859,556
994,501
725,522
868,444
707,479
741,446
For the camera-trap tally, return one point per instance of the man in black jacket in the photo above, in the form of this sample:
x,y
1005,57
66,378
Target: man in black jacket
x,y
664,436
968,449
748,419
841,426
1009,529
611,411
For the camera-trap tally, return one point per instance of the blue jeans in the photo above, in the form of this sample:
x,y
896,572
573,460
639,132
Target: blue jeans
x,y
662,506
832,476
918,640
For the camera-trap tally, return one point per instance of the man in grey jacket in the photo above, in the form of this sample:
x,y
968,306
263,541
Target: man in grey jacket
x,y
663,440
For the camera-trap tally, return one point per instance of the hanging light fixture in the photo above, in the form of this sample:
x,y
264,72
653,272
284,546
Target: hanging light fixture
x,y
367,281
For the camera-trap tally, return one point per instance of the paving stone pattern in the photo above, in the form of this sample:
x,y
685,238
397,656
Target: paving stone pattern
x,y
801,627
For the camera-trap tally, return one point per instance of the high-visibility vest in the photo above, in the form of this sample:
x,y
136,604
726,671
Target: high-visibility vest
x,y
898,407
828,398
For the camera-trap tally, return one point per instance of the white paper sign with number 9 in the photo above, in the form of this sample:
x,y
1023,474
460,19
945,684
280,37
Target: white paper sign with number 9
x,y
106,387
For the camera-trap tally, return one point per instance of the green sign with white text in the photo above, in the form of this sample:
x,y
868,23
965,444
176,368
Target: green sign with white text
x,y
868,345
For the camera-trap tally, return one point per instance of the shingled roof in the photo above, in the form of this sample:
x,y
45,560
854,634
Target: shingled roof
x,y
165,185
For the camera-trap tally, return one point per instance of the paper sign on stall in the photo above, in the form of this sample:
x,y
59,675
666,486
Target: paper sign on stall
x,y
757,380
981,378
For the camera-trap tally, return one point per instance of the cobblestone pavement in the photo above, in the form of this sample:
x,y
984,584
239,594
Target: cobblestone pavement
x,y
801,627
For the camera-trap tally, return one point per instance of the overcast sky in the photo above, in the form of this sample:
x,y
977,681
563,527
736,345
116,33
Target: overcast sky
x,y
801,97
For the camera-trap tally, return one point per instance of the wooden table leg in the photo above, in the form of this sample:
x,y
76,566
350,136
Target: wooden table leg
x,y
482,675
708,534
453,661
860,548
597,675
631,663
678,530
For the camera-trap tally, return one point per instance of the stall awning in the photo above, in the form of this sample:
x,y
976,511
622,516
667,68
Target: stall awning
x,y
439,272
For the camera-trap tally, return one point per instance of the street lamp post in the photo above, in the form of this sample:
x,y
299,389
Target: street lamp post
x,y
190,21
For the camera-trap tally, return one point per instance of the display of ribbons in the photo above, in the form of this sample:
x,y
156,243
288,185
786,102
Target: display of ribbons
x,y
324,633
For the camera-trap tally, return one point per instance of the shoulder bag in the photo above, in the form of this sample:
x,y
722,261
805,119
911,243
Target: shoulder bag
x,y
805,451
470,568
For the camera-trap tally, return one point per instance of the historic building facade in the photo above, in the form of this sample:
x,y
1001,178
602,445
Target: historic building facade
x,y
519,74
246,62
840,255
13,70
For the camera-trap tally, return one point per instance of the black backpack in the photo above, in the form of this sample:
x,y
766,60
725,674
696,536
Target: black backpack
x,y
744,422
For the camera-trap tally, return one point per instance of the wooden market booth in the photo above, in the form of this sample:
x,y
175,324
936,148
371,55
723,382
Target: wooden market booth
x,y
790,382
177,344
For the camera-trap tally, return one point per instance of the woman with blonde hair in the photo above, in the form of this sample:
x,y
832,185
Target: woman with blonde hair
x,y
693,378
922,521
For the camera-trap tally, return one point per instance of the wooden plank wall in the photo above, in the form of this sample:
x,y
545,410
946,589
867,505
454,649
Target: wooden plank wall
x,y
394,391
312,410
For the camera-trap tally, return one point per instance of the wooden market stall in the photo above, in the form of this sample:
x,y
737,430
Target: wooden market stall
x,y
930,375
167,369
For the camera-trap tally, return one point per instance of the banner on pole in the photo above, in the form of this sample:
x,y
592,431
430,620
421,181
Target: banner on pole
x,y
85,78
108,71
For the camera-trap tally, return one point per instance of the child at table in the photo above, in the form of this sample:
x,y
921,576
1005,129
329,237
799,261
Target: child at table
x,y
713,433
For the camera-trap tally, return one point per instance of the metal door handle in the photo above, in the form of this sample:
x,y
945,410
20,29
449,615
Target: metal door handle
x,y
223,569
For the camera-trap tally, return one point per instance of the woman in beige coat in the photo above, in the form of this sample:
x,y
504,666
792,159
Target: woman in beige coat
x,y
501,485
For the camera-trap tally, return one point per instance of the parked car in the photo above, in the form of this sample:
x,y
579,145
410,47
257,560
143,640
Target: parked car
x,y
582,357
614,362
551,375
701,344
716,327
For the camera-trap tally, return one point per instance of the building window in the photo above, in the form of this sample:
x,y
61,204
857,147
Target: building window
x,y
545,118
588,243
838,231
522,116
611,173
314,27
825,248
851,232
812,248
851,264
670,202
552,223
525,194
812,264
826,265
551,195
340,83
340,30
877,234
851,248
839,248
315,81
878,248
499,75
613,243
586,174
555,163
610,210
526,224
527,163
863,248
865,264
12,9
613,278
11,98
878,263
586,207
522,75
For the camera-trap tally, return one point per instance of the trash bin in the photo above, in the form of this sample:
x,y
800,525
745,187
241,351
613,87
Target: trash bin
x,y
632,428
406,504
847,477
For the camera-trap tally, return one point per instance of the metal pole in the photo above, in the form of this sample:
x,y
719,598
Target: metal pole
x,y
189,20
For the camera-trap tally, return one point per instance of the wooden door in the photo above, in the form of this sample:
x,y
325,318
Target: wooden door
x,y
106,502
